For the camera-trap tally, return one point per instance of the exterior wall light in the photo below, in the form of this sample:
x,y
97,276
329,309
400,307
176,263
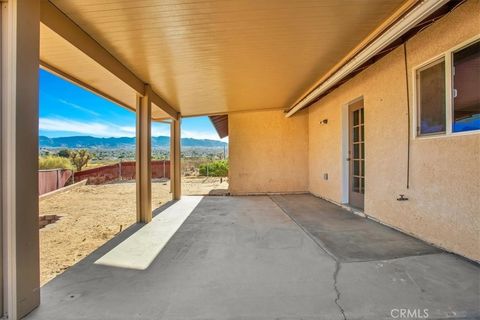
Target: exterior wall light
x,y
324,121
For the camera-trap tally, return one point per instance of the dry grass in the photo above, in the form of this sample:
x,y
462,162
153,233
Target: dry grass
x,y
202,185
93,214
96,164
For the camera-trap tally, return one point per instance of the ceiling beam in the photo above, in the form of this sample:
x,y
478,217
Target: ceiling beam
x,y
57,21
162,104
86,86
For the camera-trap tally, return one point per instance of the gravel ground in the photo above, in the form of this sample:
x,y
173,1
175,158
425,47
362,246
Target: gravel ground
x,y
91,215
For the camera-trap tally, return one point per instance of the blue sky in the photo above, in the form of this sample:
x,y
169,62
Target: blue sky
x,y
68,110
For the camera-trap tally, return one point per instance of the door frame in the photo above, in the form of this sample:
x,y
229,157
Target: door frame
x,y
357,198
346,148
2,275
7,153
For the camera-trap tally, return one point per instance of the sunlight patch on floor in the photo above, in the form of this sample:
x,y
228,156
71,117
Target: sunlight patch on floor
x,y
140,249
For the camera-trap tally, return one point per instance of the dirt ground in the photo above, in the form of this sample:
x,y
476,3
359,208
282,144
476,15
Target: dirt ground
x,y
90,215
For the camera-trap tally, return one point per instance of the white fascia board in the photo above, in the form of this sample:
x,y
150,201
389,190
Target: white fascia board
x,y
408,21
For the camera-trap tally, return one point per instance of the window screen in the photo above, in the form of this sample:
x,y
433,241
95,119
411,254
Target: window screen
x,y
431,98
466,85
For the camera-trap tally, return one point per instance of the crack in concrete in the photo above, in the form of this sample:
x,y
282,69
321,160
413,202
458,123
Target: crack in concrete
x,y
323,247
337,291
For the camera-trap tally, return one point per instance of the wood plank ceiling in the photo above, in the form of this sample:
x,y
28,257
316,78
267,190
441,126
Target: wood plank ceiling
x,y
214,56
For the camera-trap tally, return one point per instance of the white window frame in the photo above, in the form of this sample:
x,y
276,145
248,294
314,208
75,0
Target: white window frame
x,y
418,109
447,56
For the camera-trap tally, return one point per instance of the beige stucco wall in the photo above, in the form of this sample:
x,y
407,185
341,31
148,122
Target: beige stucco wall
x,y
443,206
268,153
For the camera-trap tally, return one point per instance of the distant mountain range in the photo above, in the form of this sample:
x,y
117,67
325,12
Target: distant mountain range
x,y
123,142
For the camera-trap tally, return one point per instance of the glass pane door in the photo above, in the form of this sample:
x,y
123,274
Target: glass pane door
x,y
357,155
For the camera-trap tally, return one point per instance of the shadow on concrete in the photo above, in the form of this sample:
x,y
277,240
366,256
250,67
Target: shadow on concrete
x,y
347,236
219,192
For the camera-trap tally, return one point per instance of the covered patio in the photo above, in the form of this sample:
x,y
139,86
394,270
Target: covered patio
x,y
261,257
320,100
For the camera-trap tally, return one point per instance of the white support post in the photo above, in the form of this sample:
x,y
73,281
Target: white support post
x,y
175,165
19,157
144,159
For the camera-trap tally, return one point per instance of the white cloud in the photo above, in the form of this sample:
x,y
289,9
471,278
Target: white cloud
x,y
156,131
76,106
107,129
130,130
98,129
160,129
201,135
160,132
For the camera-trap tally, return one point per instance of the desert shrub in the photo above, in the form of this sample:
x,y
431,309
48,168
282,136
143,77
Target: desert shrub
x,y
64,153
54,162
80,158
217,168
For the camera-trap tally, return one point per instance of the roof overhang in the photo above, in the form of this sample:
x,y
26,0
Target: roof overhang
x,y
220,122
381,41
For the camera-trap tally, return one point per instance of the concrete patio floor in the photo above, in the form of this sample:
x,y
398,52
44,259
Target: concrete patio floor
x,y
263,258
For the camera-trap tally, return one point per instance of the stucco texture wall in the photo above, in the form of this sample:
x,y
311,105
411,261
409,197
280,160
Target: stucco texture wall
x,y
268,153
443,206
